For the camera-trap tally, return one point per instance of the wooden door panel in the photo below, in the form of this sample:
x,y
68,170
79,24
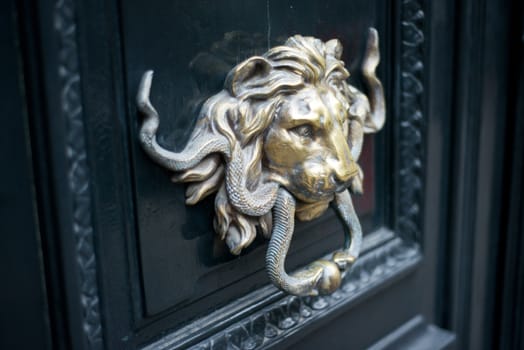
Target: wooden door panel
x,y
185,267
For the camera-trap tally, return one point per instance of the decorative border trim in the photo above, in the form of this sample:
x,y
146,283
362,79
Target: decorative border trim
x,y
411,121
78,170
273,323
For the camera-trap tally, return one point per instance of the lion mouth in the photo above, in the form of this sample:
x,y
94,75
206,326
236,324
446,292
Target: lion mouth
x,y
321,189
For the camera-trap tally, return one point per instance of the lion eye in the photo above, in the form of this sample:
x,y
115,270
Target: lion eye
x,y
303,131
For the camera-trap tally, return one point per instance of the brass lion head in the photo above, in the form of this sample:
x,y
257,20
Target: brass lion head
x,y
282,139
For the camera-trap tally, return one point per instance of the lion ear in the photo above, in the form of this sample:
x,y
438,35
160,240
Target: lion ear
x,y
334,48
248,74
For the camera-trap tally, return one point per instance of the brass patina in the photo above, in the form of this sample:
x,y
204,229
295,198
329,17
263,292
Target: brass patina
x,y
280,141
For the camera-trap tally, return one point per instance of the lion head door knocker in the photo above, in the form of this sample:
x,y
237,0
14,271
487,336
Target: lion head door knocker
x,y
280,141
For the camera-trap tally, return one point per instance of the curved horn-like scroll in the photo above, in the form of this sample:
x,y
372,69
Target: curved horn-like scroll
x,y
377,116
192,154
280,142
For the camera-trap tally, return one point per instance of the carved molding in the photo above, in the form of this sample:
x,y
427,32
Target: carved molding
x,y
273,323
411,125
78,171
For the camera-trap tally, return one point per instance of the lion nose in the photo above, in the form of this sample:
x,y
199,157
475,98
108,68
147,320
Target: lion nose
x,y
342,163
343,169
